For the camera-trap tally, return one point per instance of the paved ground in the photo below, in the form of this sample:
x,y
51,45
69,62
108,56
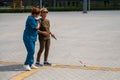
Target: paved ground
x,y
83,39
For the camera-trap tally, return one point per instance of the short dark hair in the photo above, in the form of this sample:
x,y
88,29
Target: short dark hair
x,y
35,10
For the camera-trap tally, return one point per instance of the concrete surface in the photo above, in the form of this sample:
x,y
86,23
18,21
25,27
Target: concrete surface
x,y
83,39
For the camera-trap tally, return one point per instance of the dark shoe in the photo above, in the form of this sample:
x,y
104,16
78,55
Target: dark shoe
x,y
47,64
38,64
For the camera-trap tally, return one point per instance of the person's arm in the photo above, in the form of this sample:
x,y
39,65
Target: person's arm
x,y
38,26
53,36
33,23
51,32
43,32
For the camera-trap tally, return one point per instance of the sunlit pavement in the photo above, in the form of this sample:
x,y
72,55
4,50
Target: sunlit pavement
x,y
87,47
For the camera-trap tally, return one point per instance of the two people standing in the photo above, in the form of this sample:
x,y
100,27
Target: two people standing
x,y
34,27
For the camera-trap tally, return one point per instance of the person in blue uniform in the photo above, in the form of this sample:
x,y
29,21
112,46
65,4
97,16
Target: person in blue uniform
x,y
30,37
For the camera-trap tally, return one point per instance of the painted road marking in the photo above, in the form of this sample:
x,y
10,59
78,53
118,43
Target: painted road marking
x,y
26,74
9,63
29,73
87,68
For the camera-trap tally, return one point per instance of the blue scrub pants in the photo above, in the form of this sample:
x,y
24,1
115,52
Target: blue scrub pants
x,y
30,46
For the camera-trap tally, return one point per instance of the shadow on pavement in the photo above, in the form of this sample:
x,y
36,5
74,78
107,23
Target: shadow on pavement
x,y
15,67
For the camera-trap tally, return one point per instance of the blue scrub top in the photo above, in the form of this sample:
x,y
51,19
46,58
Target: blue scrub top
x,y
30,32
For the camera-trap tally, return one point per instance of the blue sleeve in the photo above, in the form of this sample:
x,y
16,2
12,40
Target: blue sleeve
x,y
33,23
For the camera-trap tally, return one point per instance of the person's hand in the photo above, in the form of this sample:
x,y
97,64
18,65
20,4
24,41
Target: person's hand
x,y
53,36
38,25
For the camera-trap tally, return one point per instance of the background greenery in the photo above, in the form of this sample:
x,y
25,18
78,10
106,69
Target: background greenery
x,y
60,6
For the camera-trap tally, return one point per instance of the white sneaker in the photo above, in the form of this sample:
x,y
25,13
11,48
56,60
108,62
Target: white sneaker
x,y
27,67
34,67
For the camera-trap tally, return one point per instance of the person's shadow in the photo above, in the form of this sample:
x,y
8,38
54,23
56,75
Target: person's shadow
x,y
13,67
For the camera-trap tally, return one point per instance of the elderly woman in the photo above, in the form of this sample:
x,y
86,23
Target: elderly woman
x,y
44,40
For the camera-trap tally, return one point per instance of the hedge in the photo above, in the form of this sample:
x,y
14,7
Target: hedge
x,y
58,9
